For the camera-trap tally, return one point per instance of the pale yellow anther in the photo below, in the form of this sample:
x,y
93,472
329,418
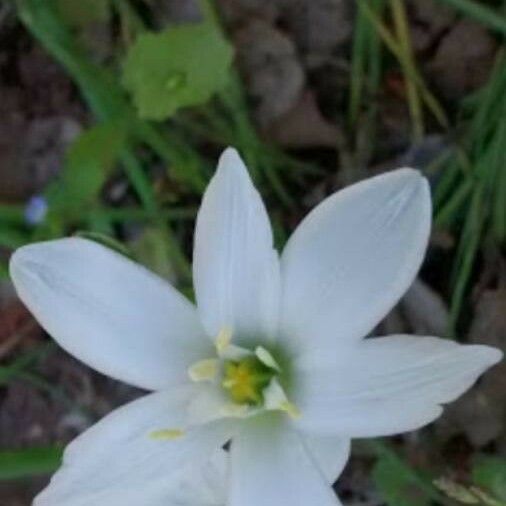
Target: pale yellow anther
x,y
167,434
223,340
276,400
266,358
204,370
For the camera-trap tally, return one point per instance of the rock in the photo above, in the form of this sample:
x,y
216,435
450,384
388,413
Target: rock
x,y
45,144
175,11
303,126
428,21
463,60
481,413
319,26
235,12
31,153
12,131
425,310
272,72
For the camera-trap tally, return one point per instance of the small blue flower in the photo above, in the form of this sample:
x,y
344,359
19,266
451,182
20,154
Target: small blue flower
x,y
36,210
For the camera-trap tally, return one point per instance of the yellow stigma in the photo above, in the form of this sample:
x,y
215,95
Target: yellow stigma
x,y
239,381
245,380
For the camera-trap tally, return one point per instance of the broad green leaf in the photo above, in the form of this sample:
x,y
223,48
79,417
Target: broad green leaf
x,y
88,164
29,462
398,484
182,66
490,474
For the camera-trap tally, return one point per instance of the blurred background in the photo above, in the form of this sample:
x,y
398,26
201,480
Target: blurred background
x,y
113,114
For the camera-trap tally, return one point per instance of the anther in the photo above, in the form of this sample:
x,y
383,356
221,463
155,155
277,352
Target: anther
x,y
167,434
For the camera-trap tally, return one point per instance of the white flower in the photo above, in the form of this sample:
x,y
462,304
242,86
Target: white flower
x,y
273,357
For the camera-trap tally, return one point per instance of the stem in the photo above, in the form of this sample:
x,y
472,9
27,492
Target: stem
x,y
408,66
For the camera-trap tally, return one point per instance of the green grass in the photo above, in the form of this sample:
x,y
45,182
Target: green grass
x,y
470,197
16,464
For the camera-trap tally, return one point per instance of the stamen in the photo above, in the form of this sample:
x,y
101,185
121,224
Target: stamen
x,y
223,340
204,370
167,434
266,358
290,409
275,399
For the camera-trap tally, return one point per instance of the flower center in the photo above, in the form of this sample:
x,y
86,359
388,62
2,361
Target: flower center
x,y
246,379
250,379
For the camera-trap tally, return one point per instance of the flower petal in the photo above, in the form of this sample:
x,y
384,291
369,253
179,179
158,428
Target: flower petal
x,y
352,258
386,385
109,312
235,267
119,461
331,453
271,466
201,484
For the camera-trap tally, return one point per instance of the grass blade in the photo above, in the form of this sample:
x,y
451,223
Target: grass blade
x,y
29,462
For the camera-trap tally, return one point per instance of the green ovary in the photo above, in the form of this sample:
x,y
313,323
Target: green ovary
x,y
245,380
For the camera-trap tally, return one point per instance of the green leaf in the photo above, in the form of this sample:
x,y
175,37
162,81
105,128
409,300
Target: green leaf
x,y
490,473
398,484
12,237
4,271
29,462
88,164
182,66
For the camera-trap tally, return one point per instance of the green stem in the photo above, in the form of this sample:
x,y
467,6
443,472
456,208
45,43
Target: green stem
x,y
389,41
409,67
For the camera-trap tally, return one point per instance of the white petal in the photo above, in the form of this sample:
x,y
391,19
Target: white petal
x,y
200,484
118,462
331,453
109,312
386,385
352,258
271,466
235,267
